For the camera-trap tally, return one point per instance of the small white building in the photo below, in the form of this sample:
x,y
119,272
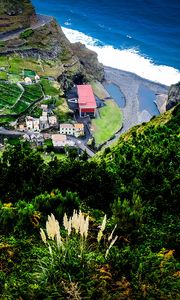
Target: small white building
x,y
69,129
78,129
60,140
37,78
36,124
66,129
44,107
32,124
27,80
52,120
43,122
44,114
29,122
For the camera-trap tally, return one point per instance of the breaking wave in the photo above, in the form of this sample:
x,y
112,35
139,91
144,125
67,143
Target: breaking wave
x,y
126,59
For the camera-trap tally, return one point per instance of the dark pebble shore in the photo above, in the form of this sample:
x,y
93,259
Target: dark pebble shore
x,y
129,84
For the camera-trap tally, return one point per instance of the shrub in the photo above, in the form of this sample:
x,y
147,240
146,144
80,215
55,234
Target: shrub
x,y
27,33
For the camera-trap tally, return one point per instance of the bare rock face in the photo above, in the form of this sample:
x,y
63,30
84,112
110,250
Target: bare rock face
x,y
89,60
173,96
15,14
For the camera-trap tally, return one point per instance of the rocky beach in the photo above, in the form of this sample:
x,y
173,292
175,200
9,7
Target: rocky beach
x,y
129,85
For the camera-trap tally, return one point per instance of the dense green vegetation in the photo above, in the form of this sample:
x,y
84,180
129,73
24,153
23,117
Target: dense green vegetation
x,y
27,33
9,94
14,100
135,183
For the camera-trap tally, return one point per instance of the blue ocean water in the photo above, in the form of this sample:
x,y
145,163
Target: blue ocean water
x,y
143,31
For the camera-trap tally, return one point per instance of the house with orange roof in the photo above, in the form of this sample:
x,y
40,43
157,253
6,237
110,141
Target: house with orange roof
x,y
78,129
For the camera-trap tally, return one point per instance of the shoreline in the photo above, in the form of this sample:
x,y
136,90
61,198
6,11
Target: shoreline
x,y
129,84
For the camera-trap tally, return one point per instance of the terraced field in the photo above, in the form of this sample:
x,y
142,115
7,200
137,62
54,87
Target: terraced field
x,y
9,94
14,101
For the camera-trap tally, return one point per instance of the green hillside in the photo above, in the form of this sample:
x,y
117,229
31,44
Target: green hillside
x,y
124,244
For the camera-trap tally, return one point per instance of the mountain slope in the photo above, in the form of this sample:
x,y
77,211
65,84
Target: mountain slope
x,y
135,182
15,14
44,41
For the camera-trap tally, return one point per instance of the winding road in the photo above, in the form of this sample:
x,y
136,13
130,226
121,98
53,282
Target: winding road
x,y
41,21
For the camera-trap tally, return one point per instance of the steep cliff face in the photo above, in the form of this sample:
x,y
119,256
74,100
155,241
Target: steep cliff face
x,y
15,14
88,59
44,39
173,96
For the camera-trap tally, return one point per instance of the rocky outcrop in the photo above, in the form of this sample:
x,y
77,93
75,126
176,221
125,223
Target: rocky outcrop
x,y
173,96
15,14
89,60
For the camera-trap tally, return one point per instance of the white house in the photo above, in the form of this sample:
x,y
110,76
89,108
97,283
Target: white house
x,y
66,129
52,120
37,78
32,124
69,129
44,107
29,123
36,124
60,140
44,121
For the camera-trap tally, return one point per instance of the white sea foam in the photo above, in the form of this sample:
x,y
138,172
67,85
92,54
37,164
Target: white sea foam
x,y
127,59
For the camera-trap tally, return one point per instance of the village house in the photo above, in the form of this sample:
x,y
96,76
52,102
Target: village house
x,y
44,120
32,124
29,123
36,124
34,138
46,136
52,120
37,78
69,129
60,140
44,107
86,100
78,129
39,140
21,127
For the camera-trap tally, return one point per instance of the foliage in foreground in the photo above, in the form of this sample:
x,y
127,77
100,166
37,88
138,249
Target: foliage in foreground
x,y
135,183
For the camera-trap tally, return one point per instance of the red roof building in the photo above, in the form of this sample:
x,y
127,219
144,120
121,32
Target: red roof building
x,y
86,100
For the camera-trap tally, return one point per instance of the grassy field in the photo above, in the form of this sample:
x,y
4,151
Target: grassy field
x,y
3,75
109,122
32,93
50,87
